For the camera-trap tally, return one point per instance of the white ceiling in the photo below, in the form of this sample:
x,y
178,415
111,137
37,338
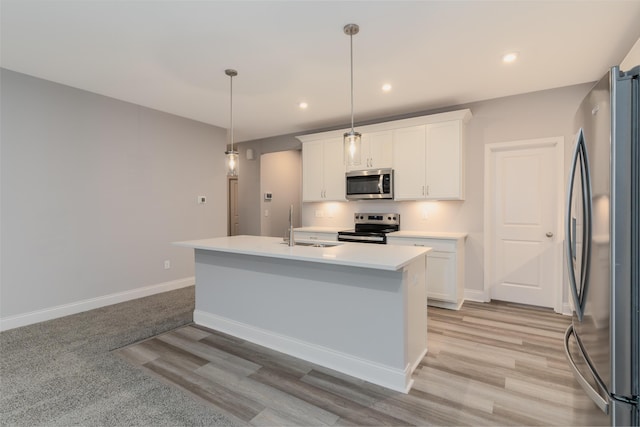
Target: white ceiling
x,y
171,55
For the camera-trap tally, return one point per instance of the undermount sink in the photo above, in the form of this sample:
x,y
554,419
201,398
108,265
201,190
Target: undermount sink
x,y
315,244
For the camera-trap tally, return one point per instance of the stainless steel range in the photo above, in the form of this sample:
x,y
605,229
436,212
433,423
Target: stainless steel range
x,y
371,228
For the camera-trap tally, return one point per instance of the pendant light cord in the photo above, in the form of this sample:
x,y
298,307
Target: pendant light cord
x,y
351,48
231,108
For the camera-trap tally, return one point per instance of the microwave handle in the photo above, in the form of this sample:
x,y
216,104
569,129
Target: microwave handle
x,y
380,183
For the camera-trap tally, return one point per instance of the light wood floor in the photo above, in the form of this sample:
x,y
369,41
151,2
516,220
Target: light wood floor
x,y
487,364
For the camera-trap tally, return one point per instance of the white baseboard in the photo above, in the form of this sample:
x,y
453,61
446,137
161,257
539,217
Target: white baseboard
x,y
475,295
386,376
567,310
11,322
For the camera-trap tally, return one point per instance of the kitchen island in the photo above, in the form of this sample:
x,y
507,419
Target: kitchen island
x,y
355,308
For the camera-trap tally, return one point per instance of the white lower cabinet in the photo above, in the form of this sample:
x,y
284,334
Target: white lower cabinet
x,y
445,269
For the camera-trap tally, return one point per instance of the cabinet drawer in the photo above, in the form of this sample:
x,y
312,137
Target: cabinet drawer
x,y
440,245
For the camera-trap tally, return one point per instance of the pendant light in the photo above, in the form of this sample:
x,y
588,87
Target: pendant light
x,y
352,149
231,154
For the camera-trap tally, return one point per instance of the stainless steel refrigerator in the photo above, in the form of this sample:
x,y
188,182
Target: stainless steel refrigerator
x,y
602,247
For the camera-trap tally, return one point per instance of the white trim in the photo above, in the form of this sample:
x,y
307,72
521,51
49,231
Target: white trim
x,y
567,310
386,376
24,319
558,144
476,295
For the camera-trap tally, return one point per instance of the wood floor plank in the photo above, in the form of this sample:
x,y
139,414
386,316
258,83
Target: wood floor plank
x,y
353,389
488,364
259,355
223,398
338,405
281,404
137,355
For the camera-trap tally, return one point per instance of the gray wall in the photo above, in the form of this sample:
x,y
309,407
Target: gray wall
x,y
94,190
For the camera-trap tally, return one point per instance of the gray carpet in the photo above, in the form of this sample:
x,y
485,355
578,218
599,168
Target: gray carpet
x,y
62,372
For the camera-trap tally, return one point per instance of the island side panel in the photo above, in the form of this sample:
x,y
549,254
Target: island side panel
x,y
416,308
347,318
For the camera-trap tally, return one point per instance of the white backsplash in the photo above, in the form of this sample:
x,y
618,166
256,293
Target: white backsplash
x,y
415,216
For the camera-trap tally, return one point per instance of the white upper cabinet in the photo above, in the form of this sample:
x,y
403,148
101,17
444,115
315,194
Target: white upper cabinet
x,y
445,161
426,154
428,162
323,172
408,163
377,151
334,170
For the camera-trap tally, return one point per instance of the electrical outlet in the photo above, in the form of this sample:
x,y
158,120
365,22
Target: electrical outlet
x,y
202,199
319,214
167,264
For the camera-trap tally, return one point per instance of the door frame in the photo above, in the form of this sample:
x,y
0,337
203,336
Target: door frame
x,y
490,150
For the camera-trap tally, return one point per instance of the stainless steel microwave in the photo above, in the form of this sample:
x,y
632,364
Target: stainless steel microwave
x,y
370,184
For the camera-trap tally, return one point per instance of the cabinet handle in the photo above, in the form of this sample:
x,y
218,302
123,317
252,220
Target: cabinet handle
x,y
418,244
427,190
423,190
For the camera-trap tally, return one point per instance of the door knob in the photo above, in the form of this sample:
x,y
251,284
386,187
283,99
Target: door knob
x,y
549,234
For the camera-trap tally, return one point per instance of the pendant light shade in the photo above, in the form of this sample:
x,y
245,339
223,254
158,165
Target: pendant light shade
x,y
352,144
231,159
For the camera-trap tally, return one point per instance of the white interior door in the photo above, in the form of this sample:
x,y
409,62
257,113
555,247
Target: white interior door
x,y
525,213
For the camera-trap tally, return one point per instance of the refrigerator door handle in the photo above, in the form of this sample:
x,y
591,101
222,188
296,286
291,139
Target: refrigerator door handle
x,y
588,221
570,231
593,394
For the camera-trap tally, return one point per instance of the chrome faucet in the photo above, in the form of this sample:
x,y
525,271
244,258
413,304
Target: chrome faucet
x,y
292,241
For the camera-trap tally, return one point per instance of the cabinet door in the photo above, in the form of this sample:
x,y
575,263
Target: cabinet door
x,y
409,163
380,145
312,171
444,177
441,276
334,170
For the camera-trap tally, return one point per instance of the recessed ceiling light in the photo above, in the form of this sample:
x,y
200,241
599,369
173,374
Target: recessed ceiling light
x,y
386,87
510,57
303,105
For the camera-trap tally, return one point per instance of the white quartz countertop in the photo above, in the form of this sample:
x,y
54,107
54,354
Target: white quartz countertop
x,y
428,235
322,229
380,257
